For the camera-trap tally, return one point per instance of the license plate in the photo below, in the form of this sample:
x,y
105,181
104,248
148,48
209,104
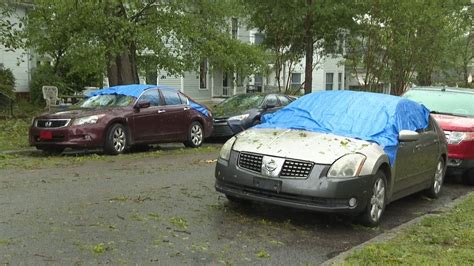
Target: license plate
x,y
46,135
267,184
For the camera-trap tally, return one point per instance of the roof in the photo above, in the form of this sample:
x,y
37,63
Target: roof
x,y
443,88
134,90
368,116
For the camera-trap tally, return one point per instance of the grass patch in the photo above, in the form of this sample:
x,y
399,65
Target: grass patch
x,y
14,134
444,239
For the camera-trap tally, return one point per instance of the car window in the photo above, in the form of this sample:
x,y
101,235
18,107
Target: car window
x,y
171,97
151,96
272,100
184,99
283,100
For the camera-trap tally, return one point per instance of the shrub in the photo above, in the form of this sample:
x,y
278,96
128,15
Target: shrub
x,y
44,75
7,82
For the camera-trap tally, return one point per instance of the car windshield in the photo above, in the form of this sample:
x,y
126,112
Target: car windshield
x,y
448,102
107,100
240,102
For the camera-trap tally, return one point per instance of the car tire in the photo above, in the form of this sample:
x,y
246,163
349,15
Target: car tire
x,y
52,150
437,182
237,200
116,139
468,177
377,201
195,135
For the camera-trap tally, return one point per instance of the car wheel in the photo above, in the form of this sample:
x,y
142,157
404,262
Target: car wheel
x,y
195,135
52,150
438,179
468,177
116,139
377,201
237,200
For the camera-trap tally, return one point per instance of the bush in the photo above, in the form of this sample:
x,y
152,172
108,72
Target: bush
x,y
44,76
7,82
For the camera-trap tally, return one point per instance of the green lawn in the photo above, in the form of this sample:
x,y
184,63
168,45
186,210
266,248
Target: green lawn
x,y
14,134
444,239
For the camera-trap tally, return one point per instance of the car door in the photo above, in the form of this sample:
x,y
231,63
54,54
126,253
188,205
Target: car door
x,y
406,167
428,152
175,116
146,120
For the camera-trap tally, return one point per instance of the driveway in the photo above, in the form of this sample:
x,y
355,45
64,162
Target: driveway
x,y
160,207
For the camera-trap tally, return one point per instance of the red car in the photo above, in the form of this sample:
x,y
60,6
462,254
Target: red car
x,y
453,109
120,117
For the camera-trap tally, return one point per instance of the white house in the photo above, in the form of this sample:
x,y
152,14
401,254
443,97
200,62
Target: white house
x,y
19,61
328,74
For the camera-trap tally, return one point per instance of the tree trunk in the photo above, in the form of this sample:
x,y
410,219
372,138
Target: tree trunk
x,y
308,72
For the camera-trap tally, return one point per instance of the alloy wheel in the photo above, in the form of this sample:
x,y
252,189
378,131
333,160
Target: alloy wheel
x,y
438,178
196,134
377,202
119,139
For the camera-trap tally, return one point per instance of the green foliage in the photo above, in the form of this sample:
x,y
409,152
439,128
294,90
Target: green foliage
x,y
8,29
44,75
14,134
7,82
400,42
445,239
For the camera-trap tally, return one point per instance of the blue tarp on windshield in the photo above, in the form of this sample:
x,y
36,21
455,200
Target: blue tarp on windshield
x,y
362,115
136,90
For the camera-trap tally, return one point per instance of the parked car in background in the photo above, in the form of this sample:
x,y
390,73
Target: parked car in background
x,y
120,117
242,111
336,151
453,108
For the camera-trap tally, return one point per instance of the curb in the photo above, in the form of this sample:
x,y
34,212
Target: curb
x,y
392,233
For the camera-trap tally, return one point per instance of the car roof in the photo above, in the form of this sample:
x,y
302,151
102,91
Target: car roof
x,y
443,89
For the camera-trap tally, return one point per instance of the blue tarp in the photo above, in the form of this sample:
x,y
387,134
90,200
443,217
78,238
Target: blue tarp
x,y
362,115
136,90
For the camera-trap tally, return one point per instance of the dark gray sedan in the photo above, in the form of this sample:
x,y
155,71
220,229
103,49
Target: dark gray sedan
x,y
336,152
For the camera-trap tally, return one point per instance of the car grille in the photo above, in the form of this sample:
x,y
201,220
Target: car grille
x,y
290,169
249,161
293,168
52,123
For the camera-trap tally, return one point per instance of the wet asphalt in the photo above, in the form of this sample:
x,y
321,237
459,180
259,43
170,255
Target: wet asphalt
x,y
164,210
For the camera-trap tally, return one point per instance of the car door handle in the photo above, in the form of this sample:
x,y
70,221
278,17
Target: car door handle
x,y
161,111
186,108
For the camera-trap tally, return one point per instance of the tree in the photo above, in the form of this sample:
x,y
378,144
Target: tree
x,y
119,36
400,42
8,28
298,28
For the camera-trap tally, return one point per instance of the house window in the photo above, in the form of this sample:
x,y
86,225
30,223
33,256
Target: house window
x,y
225,79
259,37
329,81
235,27
239,78
295,80
203,74
339,81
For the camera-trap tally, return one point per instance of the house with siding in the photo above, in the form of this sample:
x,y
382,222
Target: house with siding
x,y
210,82
19,61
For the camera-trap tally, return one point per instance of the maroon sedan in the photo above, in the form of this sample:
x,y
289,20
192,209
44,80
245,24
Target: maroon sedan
x,y
121,117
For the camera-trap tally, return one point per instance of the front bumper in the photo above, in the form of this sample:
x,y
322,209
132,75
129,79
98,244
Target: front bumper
x,y
68,137
224,128
459,166
316,192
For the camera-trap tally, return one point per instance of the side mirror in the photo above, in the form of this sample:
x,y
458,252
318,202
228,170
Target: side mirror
x,y
142,104
408,135
269,106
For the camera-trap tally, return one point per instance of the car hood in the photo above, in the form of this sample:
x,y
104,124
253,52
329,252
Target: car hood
x,y
81,112
224,114
455,123
317,147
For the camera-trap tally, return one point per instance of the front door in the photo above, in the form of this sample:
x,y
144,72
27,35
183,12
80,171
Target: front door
x,y
145,120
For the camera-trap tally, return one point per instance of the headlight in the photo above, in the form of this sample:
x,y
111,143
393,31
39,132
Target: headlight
x,y
86,120
456,137
347,166
225,150
239,117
